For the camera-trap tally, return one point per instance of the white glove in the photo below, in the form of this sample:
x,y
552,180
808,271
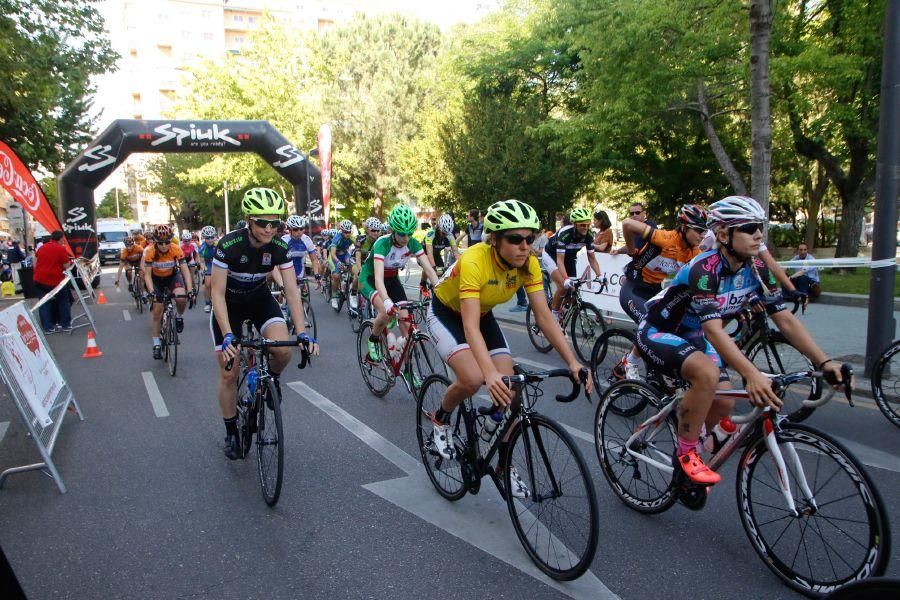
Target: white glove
x,y
388,306
569,283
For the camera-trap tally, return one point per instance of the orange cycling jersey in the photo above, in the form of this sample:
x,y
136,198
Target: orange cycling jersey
x,y
664,255
163,264
132,255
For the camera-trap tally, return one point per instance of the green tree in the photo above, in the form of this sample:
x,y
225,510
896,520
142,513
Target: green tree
x,y
49,51
107,206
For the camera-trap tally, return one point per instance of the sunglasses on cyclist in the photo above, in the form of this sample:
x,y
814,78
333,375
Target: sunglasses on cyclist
x,y
635,213
750,228
515,238
264,223
295,228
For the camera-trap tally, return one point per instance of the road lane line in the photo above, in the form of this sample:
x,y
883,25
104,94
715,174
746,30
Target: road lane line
x,y
3,427
480,520
126,314
366,434
156,399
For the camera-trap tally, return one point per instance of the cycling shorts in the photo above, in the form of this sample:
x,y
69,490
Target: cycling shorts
x,y
171,283
666,352
396,291
633,298
449,336
261,313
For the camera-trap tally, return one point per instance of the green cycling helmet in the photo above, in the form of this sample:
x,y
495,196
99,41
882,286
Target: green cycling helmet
x,y
510,214
402,220
580,215
262,201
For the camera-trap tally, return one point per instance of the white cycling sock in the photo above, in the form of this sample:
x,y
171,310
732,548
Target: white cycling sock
x,y
156,342
635,359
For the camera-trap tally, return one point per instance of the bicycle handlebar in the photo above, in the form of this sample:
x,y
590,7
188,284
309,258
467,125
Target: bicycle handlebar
x,y
262,344
780,382
536,376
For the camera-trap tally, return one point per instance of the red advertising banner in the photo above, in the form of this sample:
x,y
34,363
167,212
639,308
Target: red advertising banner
x,y
324,139
18,181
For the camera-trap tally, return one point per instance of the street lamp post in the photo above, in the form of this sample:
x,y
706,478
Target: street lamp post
x,y
227,224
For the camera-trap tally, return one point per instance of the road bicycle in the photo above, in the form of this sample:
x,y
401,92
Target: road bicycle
x,y
196,282
808,507
363,311
259,407
168,331
412,362
137,287
582,320
344,288
308,313
886,383
557,520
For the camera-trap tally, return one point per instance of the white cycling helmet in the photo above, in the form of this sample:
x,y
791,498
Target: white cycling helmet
x,y
346,225
733,211
372,223
385,227
295,222
208,232
445,223
185,236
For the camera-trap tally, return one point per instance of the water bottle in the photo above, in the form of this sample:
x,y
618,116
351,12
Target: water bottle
x,y
723,430
392,345
252,381
491,424
401,343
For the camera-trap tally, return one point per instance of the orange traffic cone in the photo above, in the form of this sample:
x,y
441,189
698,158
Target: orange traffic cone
x,y
101,299
92,351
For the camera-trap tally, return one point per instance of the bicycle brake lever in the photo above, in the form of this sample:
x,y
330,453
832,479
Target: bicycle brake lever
x,y
847,377
229,364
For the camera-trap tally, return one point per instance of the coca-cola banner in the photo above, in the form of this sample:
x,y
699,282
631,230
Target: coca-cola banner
x,y
20,183
325,161
125,136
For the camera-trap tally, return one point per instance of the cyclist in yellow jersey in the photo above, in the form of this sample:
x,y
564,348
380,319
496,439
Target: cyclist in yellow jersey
x,y
462,324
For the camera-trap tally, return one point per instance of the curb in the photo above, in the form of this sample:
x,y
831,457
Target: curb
x,y
855,300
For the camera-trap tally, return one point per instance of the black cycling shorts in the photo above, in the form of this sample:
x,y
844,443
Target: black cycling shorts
x,y
171,283
262,312
446,328
633,298
396,291
666,352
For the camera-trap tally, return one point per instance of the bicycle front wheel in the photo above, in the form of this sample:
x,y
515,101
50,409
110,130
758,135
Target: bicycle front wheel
x,y
310,318
558,522
376,373
269,444
839,530
540,343
778,356
886,384
587,326
138,301
172,346
447,476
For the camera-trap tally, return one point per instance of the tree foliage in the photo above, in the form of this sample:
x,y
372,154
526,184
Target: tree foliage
x,y
107,206
49,51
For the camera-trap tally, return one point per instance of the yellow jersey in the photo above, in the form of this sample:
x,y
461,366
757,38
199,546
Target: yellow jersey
x,y
479,274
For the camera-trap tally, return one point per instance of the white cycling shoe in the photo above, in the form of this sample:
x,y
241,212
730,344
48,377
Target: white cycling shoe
x,y
442,442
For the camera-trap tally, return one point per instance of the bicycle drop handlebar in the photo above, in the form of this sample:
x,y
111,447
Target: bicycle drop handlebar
x,y
262,344
536,376
781,382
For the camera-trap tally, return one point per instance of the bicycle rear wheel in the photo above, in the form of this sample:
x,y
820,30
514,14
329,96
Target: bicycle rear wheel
x,y
587,326
269,444
540,343
622,410
171,346
136,294
840,534
447,476
376,374
611,347
886,384
558,523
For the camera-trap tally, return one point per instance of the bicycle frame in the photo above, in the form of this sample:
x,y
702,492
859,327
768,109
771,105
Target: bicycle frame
x,y
413,334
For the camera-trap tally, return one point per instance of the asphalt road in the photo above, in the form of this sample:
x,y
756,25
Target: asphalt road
x,y
154,509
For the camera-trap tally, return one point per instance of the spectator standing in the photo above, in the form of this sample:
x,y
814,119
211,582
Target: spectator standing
x,y
603,241
638,212
474,227
53,260
15,256
806,280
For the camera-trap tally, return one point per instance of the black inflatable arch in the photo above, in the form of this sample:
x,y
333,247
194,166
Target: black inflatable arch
x,y
123,137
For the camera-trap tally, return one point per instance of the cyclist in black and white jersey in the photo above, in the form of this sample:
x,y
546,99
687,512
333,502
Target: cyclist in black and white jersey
x,y
243,260
561,253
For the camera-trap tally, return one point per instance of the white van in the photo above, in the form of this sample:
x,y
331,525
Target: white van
x,y
111,234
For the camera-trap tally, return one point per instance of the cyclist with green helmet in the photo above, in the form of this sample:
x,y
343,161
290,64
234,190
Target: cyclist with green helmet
x,y
560,257
380,284
243,261
463,326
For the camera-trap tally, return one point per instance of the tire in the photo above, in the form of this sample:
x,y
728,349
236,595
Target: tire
x,y
587,326
172,347
849,509
447,476
779,356
423,361
886,384
355,316
139,303
377,376
559,531
609,350
540,343
640,485
270,443
310,318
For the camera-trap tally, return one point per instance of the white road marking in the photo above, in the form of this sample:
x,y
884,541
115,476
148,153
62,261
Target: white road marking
x,y
3,427
126,314
156,399
481,520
